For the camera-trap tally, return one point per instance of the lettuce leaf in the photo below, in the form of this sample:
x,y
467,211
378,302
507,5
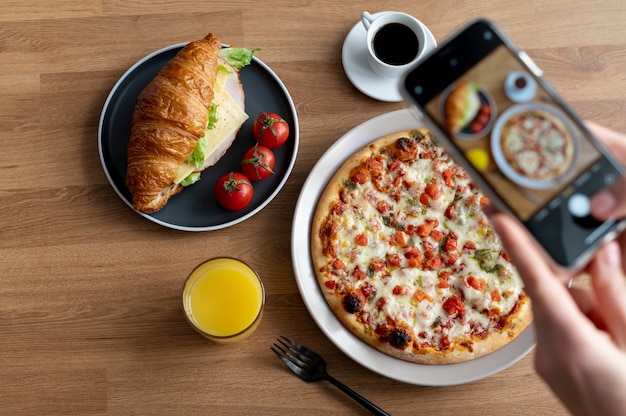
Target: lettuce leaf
x,y
237,57
198,155
212,117
191,179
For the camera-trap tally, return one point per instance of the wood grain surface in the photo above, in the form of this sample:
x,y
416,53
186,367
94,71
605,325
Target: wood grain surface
x,y
90,313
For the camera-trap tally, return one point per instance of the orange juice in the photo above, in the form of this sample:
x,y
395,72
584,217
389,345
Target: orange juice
x,y
223,299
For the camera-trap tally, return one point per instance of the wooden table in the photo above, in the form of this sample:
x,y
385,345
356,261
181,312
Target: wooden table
x,y
90,315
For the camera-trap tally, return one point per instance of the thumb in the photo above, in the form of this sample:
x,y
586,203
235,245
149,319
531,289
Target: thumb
x,y
610,202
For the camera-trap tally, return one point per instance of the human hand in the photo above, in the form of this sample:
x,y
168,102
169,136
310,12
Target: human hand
x,y
611,201
581,334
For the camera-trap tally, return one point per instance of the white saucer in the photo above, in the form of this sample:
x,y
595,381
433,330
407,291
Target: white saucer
x,y
359,72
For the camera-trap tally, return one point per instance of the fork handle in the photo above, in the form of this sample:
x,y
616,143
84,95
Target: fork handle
x,y
356,396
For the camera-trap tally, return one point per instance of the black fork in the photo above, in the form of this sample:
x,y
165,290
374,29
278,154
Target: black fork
x,y
310,366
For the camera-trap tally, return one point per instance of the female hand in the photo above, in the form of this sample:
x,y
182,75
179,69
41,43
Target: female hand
x,y
581,334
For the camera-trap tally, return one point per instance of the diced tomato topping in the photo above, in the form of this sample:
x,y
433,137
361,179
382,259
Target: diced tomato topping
x,y
433,264
444,276
359,274
451,212
484,201
401,238
361,240
359,175
451,258
339,264
420,295
433,222
453,305
380,303
469,246
394,165
495,295
330,284
451,244
436,235
448,177
430,250
399,290
377,264
424,199
433,191
383,207
506,256
392,259
338,208
416,262
474,282
410,229
424,230
367,289
412,253
444,343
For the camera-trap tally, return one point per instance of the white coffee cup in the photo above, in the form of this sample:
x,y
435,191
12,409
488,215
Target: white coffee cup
x,y
395,41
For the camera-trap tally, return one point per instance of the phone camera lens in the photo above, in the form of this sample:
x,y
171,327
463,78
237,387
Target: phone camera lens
x,y
418,90
488,35
454,62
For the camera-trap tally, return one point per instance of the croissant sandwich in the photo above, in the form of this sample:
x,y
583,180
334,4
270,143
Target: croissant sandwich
x,y
184,121
462,105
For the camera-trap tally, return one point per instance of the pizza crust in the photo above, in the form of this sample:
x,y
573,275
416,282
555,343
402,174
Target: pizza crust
x,y
341,298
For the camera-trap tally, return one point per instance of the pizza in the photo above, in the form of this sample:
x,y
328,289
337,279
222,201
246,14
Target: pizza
x,y
407,260
537,145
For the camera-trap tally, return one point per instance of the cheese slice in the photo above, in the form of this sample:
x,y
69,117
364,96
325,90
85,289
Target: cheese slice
x,y
230,117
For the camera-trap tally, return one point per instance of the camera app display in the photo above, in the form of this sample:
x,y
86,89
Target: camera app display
x,y
513,133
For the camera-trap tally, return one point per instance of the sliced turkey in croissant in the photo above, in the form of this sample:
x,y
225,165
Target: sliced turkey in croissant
x,y
172,126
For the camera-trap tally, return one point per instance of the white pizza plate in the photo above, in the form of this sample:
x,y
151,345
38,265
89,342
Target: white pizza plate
x,y
359,351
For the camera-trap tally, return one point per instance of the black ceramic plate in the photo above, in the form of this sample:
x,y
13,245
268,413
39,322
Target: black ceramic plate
x,y
195,208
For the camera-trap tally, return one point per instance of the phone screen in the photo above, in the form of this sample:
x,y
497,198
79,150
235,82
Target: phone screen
x,y
513,132
517,134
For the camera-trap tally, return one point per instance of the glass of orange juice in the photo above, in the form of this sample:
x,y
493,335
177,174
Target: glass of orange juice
x,y
223,299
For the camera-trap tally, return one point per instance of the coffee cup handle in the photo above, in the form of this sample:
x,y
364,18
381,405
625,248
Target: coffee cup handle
x,y
366,19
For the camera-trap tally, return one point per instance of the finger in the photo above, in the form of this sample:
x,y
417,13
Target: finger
x,y
587,304
609,284
539,278
610,202
614,141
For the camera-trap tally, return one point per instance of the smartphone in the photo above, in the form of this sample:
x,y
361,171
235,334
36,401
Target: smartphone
x,y
488,104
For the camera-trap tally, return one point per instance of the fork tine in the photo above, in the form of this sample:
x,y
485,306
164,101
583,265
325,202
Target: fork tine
x,y
298,348
296,368
291,354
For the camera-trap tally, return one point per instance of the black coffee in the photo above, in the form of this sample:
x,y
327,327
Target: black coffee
x,y
395,44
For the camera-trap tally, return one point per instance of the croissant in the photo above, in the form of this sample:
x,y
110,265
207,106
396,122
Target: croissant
x,y
170,117
461,106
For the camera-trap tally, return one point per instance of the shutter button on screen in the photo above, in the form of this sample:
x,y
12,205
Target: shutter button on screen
x,y
578,206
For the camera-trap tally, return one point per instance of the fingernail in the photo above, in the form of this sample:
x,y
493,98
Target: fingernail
x,y
611,254
602,204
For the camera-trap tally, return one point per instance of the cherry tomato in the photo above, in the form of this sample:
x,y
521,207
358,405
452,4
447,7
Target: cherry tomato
x,y
233,191
258,163
270,130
